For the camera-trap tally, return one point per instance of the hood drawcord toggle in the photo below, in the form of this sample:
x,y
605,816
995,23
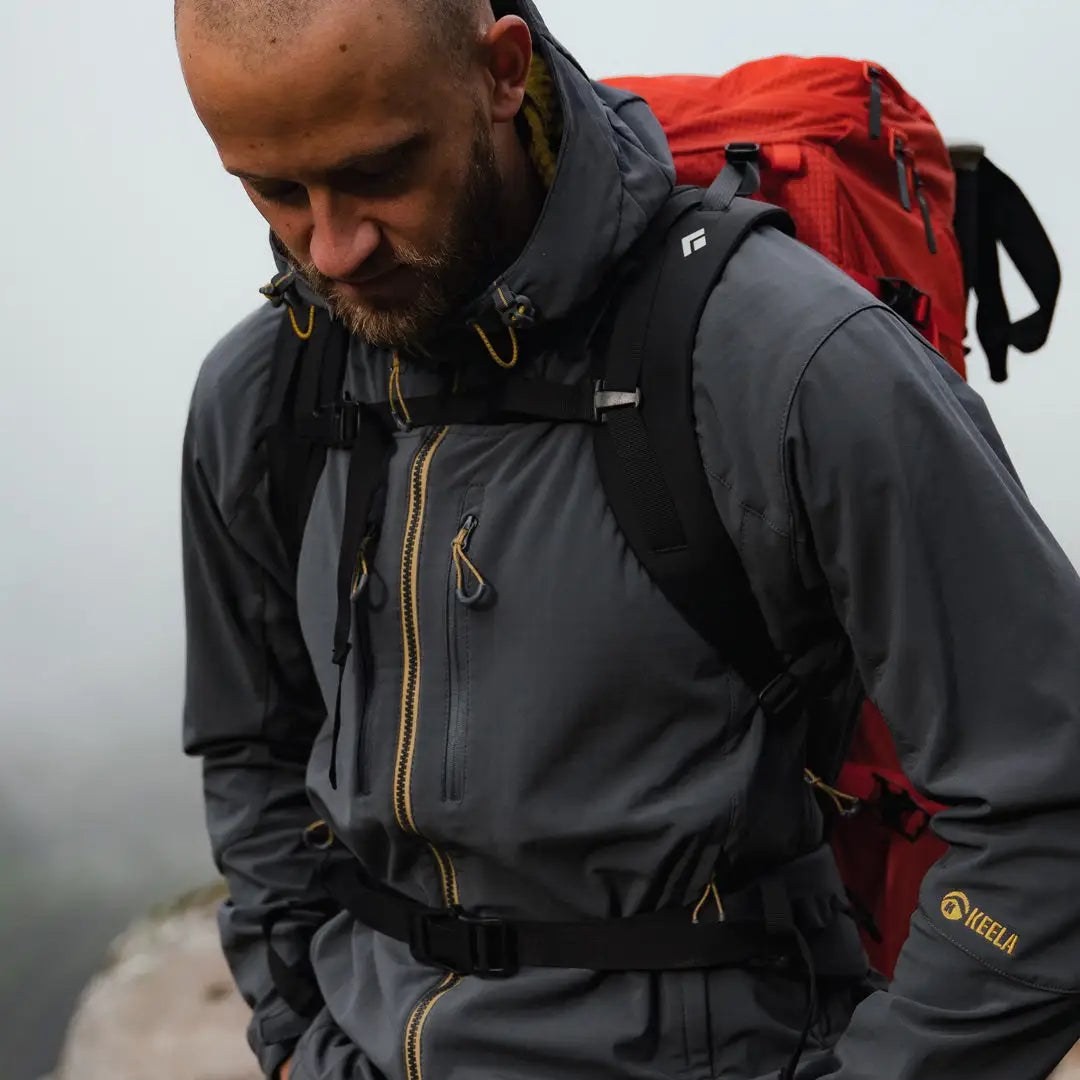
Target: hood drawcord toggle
x,y
277,292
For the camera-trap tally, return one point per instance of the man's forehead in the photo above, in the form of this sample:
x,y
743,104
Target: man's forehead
x,y
357,63
256,33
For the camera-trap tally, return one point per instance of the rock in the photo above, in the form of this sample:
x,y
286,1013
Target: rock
x,y
166,1008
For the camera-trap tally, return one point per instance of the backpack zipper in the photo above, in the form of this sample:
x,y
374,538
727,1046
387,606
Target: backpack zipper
x,y
410,697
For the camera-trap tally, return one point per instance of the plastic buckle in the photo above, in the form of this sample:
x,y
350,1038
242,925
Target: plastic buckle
x,y
347,422
337,425
900,812
738,152
781,697
910,303
606,400
475,945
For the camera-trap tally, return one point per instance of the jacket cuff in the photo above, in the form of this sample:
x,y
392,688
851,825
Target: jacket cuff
x,y
273,1035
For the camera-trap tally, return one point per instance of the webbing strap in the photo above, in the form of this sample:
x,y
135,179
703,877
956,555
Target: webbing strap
x,y
649,458
1004,215
365,485
475,945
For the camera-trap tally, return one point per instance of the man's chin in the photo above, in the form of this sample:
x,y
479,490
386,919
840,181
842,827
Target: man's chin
x,y
384,327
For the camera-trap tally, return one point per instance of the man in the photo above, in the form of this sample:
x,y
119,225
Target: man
x,y
448,183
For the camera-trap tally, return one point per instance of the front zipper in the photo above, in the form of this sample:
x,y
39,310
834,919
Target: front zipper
x,y
410,630
410,699
464,591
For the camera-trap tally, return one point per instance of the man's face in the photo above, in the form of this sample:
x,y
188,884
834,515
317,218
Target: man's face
x,y
373,163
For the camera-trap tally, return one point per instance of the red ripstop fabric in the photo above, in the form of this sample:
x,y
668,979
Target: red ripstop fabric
x,y
866,175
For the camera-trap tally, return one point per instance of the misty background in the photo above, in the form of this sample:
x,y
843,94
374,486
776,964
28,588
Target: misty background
x,y
129,252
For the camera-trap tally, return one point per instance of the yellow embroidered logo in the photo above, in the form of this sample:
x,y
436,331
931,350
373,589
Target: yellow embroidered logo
x,y
956,907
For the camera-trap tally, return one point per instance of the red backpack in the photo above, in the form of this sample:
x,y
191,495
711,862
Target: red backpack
x,y
865,174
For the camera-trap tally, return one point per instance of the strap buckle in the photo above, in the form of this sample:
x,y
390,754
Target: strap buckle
x,y
909,302
606,400
336,426
899,811
464,944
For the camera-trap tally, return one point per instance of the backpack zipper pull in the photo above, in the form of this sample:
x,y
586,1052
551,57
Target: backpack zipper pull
x,y
874,75
901,172
924,206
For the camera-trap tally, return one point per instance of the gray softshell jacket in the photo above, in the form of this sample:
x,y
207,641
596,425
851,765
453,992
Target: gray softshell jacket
x,y
572,749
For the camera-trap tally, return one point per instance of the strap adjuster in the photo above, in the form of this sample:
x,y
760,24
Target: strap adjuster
x,y
606,400
464,944
336,426
909,302
899,811
782,697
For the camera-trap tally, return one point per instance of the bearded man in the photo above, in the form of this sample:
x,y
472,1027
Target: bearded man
x,y
517,746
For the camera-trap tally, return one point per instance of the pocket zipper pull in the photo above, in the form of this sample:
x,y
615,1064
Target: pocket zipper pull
x,y
924,206
901,172
874,75
462,562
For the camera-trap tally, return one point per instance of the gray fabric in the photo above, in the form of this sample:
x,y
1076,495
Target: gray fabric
x,y
579,751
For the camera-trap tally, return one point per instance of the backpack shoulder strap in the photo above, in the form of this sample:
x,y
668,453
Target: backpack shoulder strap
x,y
647,447
306,378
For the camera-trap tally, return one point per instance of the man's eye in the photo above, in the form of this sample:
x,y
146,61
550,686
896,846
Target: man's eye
x,y
277,191
389,181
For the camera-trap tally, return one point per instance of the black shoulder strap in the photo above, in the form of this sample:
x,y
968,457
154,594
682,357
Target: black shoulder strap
x,y
647,448
991,210
306,380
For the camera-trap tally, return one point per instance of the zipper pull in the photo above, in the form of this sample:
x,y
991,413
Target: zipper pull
x,y
901,172
463,564
924,206
874,75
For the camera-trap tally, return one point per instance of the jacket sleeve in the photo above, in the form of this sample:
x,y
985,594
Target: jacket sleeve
x,y
964,616
252,710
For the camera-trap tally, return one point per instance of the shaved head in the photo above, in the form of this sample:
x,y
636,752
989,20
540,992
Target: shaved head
x,y
260,27
378,138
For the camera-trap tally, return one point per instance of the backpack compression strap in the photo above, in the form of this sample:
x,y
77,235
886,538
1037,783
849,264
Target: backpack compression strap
x,y
647,447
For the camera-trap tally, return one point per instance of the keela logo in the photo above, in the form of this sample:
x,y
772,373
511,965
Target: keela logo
x,y
956,907
694,242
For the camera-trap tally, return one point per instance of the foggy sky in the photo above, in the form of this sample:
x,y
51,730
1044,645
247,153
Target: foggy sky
x,y
129,252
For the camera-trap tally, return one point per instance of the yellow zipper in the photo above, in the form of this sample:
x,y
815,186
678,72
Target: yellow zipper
x,y
410,698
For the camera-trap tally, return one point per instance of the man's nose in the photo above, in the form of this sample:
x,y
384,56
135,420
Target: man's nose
x,y
343,238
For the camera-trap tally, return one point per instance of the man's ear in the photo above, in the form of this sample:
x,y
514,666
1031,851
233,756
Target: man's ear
x,y
507,49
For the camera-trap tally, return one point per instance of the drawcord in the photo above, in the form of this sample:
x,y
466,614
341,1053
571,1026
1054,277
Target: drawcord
x,y
492,352
780,922
845,804
399,410
462,562
277,293
789,1070
303,335
710,890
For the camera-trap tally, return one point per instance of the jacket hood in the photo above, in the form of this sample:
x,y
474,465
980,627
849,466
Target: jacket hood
x,y
614,172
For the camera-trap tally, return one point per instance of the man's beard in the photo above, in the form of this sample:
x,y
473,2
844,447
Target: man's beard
x,y
447,277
